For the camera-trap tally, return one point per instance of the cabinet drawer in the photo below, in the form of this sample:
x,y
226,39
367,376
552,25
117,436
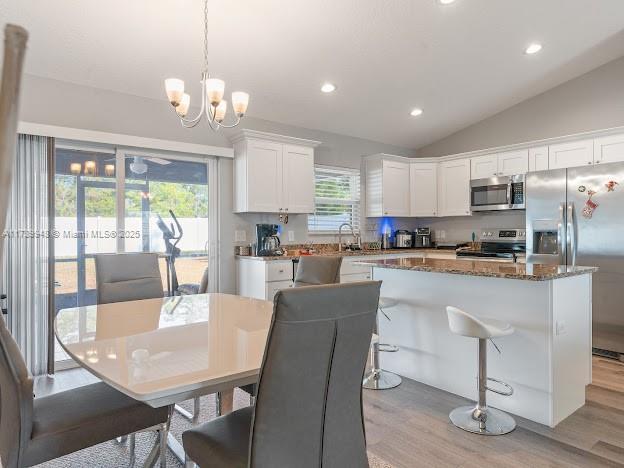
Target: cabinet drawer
x,y
350,268
272,288
355,278
279,270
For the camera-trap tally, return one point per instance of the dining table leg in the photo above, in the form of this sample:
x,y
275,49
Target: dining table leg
x,y
225,402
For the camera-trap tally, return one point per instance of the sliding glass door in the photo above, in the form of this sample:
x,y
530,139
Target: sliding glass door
x,y
113,200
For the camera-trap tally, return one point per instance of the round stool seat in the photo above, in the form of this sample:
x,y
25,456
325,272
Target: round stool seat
x,y
387,302
462,323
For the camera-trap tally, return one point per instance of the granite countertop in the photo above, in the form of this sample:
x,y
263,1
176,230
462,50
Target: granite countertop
x,y
354,253
520,271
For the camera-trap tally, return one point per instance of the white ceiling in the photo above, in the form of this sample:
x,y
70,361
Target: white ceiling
x,y
460,63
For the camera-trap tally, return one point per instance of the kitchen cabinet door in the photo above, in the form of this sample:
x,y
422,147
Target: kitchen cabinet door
x,y
484,167
538,159
454,188
513,162
573,154
298,179
264,176
609,149
423,189
396,188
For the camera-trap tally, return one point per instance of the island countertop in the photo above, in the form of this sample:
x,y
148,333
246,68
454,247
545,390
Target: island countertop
x,y
519,271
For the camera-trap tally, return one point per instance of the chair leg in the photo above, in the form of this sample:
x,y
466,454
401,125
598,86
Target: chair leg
x,y
163,434
196,404
188,463
219,402
132,449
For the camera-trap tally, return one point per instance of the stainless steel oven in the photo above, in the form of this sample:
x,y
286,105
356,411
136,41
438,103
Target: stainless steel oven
x,y
497,193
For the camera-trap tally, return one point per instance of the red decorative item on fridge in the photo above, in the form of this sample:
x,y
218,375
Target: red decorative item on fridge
x,y
590,205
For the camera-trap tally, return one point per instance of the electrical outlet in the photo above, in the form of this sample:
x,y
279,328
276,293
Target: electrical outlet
x,y
560,327
291,236
240,236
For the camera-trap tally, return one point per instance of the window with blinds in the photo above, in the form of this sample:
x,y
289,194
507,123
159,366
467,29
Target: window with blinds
x,y
337,200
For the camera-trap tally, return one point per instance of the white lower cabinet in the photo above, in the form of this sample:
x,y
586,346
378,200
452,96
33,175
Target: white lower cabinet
x,y
273,287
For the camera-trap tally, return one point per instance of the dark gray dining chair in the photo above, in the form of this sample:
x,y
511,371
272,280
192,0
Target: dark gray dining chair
x,y
315,270
201,288
308,410
127,277
311,271
36,430
133,277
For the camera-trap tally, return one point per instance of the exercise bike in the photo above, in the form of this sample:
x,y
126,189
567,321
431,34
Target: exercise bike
x,y
172,236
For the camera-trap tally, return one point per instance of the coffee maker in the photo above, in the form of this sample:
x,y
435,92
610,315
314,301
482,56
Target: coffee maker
x,y
422,238
267,240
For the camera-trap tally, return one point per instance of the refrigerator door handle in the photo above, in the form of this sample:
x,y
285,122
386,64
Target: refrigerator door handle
x,y
571,233
561,247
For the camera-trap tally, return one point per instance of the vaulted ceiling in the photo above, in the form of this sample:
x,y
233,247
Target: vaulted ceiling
x,y
460,62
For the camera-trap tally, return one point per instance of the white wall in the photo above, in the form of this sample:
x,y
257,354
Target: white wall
x,y
593,101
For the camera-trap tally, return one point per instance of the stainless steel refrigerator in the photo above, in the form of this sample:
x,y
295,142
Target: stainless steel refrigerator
x,y
576,217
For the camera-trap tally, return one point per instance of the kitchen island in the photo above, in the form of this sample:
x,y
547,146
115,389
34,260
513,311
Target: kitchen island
x,y
547,360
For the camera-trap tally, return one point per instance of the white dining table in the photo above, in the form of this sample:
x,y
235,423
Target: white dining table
x,y
165,351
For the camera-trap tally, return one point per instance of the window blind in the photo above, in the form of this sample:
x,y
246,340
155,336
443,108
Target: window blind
x,y
337,199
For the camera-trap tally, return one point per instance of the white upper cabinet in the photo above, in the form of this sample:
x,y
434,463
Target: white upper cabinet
x,y
538,159
273,173
454,188
513,162
423,189
298,191
609,149
573,154
387,187
484,167
501,164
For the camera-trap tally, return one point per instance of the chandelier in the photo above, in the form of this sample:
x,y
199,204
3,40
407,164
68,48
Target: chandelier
x,y
213,106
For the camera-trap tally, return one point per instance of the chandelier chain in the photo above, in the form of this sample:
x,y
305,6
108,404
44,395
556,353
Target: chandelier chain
x,y
205,36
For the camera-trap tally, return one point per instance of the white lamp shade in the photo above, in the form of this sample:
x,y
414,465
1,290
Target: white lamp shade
x,y
215,89
240,101
75,168
220,111
175,90
183,107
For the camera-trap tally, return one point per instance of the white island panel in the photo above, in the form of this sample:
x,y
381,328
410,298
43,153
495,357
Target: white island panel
x,y
548,371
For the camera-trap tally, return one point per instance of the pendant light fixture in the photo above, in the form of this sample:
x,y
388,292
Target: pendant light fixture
x,y
213,106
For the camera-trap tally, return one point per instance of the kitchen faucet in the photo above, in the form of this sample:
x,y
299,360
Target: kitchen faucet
x,y
340,235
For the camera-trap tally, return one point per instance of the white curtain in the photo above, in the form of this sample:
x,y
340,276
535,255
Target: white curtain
x,y
25,259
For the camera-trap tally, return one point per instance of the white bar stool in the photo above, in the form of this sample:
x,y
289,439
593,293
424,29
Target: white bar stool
x,y
377,378
480,419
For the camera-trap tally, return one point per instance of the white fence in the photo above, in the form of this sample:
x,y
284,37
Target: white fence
x,y
101,235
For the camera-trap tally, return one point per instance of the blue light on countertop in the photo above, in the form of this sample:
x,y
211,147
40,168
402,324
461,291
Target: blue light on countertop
x,y
386,225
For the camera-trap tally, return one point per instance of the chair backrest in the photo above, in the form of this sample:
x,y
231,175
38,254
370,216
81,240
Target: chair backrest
x,y
16,401
313,271
127,277
309,402
203,285
464,324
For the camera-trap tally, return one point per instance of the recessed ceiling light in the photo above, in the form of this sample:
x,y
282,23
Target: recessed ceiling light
x,y
533,48
445,2
328,88
416,112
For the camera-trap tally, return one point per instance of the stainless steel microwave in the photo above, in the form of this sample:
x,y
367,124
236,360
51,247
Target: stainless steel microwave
x,y
497,193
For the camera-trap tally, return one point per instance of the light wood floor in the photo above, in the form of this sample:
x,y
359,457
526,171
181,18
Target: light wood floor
x,y
409,427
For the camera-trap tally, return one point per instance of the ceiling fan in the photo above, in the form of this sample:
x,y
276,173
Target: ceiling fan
x,y
138,165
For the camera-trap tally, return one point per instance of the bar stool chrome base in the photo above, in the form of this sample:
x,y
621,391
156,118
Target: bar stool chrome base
x,y
487,422
379,379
